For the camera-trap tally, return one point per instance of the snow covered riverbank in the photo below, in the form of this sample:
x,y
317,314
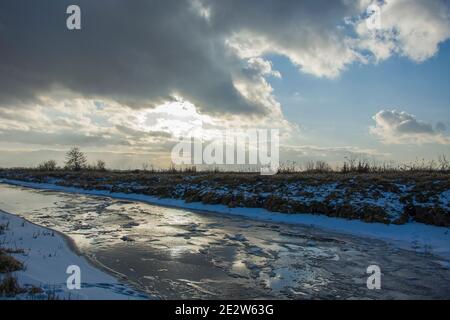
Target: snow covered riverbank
x,y
396,198
46,256
411,236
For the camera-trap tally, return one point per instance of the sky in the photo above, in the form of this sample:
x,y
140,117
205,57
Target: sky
x,y
139,75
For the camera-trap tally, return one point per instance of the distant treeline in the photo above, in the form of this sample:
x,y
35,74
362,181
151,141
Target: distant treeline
x,y
76,160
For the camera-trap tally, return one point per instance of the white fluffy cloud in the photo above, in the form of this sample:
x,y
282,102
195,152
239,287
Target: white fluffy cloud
x,y
87,123
410,28
395,127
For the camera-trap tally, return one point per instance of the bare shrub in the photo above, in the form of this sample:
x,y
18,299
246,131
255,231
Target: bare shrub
x,y
8,263
49,165
444,163
100,165
9,286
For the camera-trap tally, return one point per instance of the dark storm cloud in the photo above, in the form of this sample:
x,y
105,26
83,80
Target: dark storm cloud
x,y
142,52
310,33
287,19
137,52
61,138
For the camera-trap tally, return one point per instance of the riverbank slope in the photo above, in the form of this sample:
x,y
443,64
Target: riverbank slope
x,y
45,256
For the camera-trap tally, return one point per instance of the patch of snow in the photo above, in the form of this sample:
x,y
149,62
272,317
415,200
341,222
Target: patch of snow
x,y
46,258
389,201
238,237
404,188
444,199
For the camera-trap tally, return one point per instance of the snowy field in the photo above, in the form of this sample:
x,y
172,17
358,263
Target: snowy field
x,y
46,256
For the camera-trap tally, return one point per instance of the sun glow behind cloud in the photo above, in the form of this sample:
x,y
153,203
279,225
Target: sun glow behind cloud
x,y
177,118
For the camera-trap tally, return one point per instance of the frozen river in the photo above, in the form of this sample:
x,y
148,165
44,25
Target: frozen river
x,y
181,254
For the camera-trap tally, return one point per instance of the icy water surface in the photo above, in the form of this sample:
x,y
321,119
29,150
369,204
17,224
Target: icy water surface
x,y
180,254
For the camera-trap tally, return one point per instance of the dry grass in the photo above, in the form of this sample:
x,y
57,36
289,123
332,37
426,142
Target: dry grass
x,y
12,251
9,263
9,286
4,227
349,165
35,290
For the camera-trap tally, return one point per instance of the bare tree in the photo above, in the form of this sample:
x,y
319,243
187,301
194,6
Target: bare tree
x,y
101,165
49,165
75,159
